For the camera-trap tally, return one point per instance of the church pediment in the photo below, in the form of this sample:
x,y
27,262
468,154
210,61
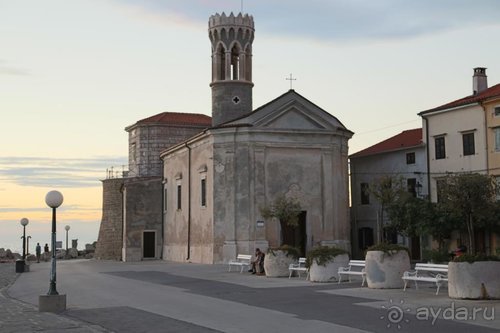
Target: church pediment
x,y
291,119
290,111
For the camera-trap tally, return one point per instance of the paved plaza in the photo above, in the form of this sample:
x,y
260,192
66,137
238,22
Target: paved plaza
x,y
158,296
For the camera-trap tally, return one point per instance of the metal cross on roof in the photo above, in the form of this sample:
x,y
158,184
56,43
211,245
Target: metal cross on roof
x,y
291,79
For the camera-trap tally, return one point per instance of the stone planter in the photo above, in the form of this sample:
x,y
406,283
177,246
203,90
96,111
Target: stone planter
x,y
276,263
329,272
385,270
477,280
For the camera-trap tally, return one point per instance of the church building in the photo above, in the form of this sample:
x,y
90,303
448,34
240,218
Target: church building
x,y
216,182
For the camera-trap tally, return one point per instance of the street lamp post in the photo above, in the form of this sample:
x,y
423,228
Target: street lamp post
x,y
67,229
53,199
24,223
21,263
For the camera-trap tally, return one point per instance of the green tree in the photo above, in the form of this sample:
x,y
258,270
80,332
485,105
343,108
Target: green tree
x,y
386,190
439,224
412,216
471,199
287,211
408,214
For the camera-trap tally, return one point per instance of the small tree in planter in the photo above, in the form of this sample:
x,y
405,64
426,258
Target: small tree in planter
x,y
278,259
385,265
324,262
287,211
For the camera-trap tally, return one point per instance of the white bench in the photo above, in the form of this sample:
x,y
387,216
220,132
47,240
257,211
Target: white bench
x,y
359,270
242,260
298,267
436,273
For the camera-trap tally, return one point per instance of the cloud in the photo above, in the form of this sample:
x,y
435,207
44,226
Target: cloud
x,y
57,172
335,20
6,69
43,209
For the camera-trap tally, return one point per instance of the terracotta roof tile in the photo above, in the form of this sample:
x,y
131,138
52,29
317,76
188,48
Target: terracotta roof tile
x,y
405,139
177,118
483,95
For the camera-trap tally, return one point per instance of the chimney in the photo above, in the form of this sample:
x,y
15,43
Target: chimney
x,y
479,80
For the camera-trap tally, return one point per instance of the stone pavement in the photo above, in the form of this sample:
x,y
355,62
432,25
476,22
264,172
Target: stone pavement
x,y
158,296
17,316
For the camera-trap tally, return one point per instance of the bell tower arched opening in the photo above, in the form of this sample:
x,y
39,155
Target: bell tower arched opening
x,y
235,62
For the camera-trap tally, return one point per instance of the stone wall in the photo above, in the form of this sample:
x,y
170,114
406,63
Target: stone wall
x,y
143,212
109,243
147,141
230,100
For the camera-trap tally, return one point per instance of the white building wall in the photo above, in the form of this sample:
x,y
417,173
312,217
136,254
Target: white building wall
x,y
452,125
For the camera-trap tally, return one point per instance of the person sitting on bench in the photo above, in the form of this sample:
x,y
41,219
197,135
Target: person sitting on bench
x,y
258,263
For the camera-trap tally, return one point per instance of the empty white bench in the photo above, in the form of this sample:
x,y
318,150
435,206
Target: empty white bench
x,y
435,273
355,267
242,260
298,267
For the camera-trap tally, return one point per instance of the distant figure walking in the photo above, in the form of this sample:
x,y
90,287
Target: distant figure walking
x,y
38,252
46,251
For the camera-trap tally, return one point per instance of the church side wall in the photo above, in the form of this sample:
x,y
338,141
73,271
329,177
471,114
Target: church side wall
x,y
189,231
109,242
202,231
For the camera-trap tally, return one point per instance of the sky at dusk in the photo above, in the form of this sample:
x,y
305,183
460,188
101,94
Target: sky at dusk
x,y
74,74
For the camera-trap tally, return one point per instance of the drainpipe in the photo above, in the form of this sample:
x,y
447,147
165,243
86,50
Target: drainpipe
x,y
487,162
189,204
486,138
162,207
428,158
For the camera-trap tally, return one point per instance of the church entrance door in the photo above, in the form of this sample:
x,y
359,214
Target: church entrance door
x,y
148,244
296,236
301,235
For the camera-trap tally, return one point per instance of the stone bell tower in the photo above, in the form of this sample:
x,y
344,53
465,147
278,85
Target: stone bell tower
x,y
231,38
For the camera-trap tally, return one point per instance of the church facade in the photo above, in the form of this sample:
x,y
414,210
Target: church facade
x,y
216,182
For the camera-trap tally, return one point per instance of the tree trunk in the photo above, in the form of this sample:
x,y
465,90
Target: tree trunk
x,y
470,231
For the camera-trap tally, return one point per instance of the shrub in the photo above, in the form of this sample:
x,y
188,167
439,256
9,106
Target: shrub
x,y
436,256
322,255
387,248
290,251
472,258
